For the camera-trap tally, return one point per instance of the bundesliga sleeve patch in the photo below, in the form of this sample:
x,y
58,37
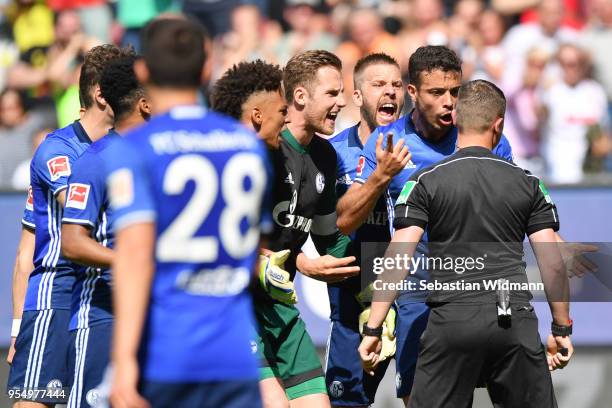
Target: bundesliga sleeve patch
x,y
403,197
121,187
360,165
30,200
77,196
58,166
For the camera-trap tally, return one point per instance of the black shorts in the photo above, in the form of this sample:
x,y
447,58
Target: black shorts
x,y
464,347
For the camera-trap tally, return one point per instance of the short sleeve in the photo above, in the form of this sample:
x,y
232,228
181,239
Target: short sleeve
x,y
412,206
128,185
503,149
543,211
85,195
52,165
28,212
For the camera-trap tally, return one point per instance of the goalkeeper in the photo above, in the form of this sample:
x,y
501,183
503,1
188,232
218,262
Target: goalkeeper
x,y
304,202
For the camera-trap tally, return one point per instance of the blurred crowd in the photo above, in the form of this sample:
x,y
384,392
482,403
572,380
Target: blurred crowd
x,y
552,58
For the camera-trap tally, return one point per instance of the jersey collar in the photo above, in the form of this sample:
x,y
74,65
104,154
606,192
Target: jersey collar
x,y
289,138
80,133
353,137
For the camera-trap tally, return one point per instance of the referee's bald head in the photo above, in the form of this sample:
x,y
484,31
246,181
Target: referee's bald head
x,y
479,105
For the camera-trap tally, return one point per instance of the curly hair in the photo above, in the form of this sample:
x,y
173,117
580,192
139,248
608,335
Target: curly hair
x,y
241,81
302,69
96,60
430,58
119,86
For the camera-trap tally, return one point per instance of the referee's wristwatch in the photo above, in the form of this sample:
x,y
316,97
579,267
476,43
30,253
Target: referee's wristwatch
x,y
558,330
368,331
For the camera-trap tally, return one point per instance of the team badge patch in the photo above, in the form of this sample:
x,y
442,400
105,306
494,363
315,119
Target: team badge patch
x,y
403,197
58,166
336,389
320,182
30,200
360,165
121,187
78,194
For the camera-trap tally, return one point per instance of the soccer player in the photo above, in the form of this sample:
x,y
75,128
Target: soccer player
x,y
41,348
88,235
379,94
252,93
187,191
428,131
303,202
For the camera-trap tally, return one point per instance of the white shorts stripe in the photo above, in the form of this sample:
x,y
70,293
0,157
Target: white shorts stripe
x,y
41,354
33,349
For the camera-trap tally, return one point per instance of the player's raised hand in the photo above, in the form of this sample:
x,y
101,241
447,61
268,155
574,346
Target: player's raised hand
x,y
327,268
369,353
393,158
124,393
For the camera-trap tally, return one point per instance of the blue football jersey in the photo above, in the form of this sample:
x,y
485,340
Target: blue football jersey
x,y
87,204
375,228
50,283
424,154
202,178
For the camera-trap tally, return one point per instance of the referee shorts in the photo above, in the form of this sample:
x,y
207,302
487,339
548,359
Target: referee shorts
x,y
464,346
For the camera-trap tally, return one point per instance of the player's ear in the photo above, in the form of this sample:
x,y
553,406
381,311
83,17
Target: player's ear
x,y
141,71
412,91
97,94
300,94
256,118
454,116
144,108
357,98
498,128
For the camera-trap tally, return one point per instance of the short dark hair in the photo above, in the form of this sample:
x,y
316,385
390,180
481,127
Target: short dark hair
x,y
479,104
96,60
241,81
302,69
173,50
430,58
119,86
377,58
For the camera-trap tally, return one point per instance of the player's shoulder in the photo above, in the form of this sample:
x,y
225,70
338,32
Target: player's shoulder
x,y
55,143
322,147
341,138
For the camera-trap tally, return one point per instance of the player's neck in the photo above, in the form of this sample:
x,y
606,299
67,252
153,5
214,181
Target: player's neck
x,y
299,128
364,131
426,131
96,123
123,125
469,139
165,99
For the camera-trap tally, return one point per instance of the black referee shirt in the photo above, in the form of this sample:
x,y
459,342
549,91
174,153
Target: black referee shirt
x,y
475,205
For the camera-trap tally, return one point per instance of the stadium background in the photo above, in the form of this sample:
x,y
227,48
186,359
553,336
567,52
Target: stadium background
x,y
42,42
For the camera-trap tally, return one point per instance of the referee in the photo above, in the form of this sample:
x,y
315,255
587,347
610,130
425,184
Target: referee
x,y
479,335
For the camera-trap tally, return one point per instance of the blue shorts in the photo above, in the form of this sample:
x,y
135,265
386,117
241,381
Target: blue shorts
x,y
88,358
221,394
41,354
346,381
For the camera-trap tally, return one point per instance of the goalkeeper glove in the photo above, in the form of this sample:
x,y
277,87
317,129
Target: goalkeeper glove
x,y
388,334
274,279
